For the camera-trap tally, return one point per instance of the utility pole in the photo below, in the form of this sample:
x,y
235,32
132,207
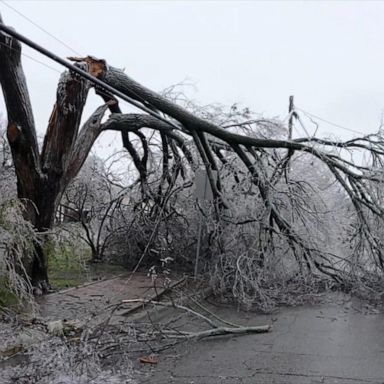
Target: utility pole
x,y
291,107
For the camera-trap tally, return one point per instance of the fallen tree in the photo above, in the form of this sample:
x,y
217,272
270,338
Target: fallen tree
x,y
186,140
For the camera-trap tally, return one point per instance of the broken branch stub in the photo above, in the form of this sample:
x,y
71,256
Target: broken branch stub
x,y
96,67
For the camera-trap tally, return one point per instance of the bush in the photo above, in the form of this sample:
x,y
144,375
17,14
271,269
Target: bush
x,y
17,242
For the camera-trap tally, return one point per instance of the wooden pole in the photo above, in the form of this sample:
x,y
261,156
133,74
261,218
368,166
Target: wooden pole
x,y
291,107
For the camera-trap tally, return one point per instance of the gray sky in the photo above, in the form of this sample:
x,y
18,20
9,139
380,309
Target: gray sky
x,y
328,54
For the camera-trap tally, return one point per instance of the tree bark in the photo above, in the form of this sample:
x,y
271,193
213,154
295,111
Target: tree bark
x,y
41,179
22,139
21,131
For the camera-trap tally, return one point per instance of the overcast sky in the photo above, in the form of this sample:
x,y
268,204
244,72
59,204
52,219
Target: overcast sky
x,y
329,55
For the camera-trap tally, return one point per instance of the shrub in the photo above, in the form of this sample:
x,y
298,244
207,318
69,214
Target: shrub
x,y
17,242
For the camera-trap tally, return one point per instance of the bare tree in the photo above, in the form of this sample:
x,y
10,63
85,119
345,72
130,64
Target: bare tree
x,y
185,140
91,200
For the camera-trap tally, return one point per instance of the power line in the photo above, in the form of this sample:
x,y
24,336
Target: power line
x,y
39,27
303,126
84,74
32,58
44,64
330,122
129,101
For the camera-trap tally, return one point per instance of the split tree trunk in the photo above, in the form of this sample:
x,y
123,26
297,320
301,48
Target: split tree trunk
x,y
41,178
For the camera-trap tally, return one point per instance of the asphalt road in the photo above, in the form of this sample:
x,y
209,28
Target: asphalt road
x,y
340,341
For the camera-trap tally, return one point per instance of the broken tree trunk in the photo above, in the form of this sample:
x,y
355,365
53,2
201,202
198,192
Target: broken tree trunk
x,y
42,178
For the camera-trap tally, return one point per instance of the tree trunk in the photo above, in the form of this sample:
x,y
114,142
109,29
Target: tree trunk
x,y
41,178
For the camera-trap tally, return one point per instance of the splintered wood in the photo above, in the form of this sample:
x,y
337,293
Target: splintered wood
x,y
96,67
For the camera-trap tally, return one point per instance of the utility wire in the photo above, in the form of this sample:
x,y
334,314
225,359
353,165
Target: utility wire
x,y
303,126
49,34
46,65
330,122
77,53
39,27
84,74
31,58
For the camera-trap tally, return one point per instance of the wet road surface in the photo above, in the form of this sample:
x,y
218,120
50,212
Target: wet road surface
x,y
340,341
96,300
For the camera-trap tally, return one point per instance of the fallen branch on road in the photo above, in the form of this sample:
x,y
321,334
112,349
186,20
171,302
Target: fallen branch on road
x,y
229,331
214,331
